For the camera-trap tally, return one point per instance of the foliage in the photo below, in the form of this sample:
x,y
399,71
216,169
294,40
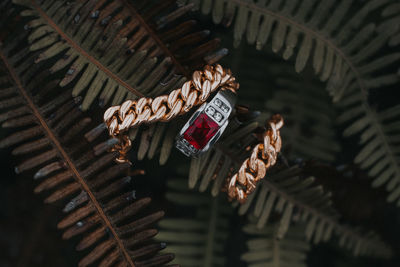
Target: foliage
x,y
344,46
113,54
199,239
98,204
309,130
265,249
72,54
299,198
310,117
284,190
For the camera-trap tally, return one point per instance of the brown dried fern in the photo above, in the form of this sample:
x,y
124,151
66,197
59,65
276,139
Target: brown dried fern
x,y
118,50
48,135
115,50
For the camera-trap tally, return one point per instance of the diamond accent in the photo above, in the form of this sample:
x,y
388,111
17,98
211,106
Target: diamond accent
x,y
218,116
210,111
218,102
224,108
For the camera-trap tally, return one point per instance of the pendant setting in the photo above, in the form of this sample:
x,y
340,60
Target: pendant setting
x,y
206,125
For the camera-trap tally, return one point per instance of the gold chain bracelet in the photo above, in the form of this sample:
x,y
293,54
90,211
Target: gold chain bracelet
x,y
163,108
132,113
254,168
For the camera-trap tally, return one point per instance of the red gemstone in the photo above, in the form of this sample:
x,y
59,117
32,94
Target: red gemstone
x,y
201,131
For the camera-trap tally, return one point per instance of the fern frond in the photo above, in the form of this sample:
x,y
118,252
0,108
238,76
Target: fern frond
x,y
343,50
338,43
110,50
100,206
120,50
379,131
199,239
299,198
271,86
287,191
218,164
265,249
391,14
157,139
284,191
309,131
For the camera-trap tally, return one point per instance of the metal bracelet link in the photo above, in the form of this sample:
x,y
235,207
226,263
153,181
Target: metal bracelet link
x,y
254,168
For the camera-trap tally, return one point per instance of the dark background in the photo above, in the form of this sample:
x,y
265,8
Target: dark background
x,y
29,237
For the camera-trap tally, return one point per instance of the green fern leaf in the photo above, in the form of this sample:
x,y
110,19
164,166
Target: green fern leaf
x,y
284,24
391,14
216,165
198,240
379,131
343,51
310,117
298,198
265,249
322,32
309,120
284,191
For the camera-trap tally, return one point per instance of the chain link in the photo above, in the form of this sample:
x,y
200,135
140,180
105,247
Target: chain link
x,y
255,167
132,113
195,92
